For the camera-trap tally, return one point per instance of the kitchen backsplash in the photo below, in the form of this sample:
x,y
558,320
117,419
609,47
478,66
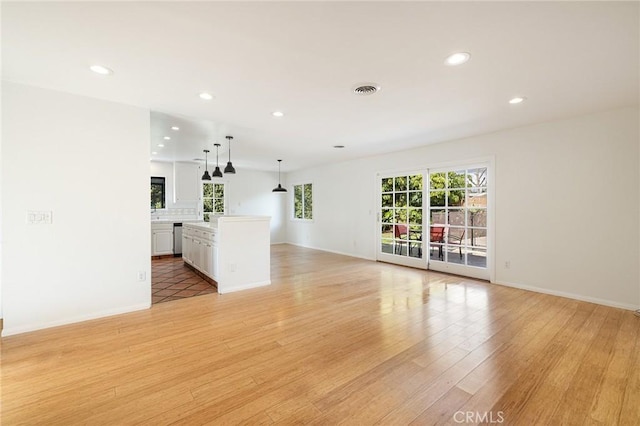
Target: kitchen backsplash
x,y
174,214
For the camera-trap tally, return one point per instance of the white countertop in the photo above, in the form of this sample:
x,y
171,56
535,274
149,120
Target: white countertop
x,y
228,218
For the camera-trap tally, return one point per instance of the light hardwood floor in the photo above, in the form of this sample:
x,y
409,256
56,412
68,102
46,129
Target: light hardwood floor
x,y
335,340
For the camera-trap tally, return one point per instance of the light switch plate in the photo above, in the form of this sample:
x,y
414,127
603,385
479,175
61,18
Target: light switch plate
x,y
39,217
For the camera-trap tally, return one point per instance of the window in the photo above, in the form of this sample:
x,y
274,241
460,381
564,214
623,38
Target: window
x,y
157,193
303,201
212,199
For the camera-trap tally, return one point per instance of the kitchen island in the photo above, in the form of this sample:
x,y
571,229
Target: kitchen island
x,y
233,251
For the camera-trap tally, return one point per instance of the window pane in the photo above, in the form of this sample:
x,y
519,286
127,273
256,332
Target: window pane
x,y
400,183
456,236
387,200
436,251
415,183
415,232
206,217
387,184
297,201
415,216
207,190
456,217
477,177
477,237
387,216
477,197
437,181
157,196
308,201
157,192
455,254
456,179
386,231
477,257
477,217
401,200
400,216
415,249
207,205
437,198
415,199
218,190
219,206
438,217
387,245
456,197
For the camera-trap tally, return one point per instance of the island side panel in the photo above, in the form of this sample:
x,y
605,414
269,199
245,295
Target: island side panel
x,y
245,254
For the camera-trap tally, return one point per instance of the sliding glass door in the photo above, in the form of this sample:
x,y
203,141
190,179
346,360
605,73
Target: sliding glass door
x,y
435,219
458,221
401,219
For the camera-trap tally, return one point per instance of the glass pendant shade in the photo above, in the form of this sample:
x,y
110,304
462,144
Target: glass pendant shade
x,y
229,168
217,172
279,188
206,176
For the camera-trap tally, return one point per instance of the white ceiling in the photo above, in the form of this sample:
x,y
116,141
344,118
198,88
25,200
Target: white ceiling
x,y
303,58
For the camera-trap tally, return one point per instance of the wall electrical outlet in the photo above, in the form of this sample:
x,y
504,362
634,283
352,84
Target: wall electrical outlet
x,y
507,264
39,217
142,276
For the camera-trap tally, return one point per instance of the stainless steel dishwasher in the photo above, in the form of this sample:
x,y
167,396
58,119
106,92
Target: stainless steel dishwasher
x,y
177,239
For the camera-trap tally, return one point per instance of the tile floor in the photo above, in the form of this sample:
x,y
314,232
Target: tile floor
x,y
171,280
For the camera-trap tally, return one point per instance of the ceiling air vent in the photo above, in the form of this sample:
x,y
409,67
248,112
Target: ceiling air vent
x,y
366,89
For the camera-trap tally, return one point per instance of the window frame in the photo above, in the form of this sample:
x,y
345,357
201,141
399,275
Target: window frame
x,y
293,202
225,189
163,184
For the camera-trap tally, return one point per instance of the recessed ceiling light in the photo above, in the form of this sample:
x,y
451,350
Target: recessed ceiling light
x,y
154,153
517,100
99,69
338,146
175,128
458,58
166,138
277,114
206,96
160,145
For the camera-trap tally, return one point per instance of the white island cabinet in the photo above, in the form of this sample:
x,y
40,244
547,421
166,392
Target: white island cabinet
x,y
234,251
161,239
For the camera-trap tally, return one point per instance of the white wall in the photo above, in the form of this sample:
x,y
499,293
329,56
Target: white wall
x,y
249,192
58,155
567,204
165,169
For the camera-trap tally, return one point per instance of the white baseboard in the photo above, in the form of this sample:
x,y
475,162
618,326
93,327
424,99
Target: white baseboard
x,y
574,296
244,287
333,251
80,318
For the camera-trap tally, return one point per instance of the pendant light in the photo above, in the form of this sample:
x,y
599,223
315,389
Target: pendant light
x,y
229,168
217,172
279,188
206,176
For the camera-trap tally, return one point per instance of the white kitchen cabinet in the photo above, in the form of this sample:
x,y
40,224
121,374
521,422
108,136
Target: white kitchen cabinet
x,y
196,253
161,239
186,247
214,261
185,182
207,258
